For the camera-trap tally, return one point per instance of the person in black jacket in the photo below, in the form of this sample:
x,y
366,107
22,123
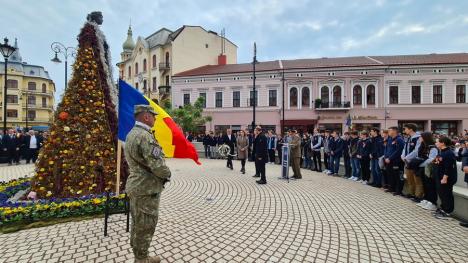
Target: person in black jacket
x,y
393,161
279,147
346,156
261,154
364,148
446,177
376,151
11,145
213,145
206,144
230,140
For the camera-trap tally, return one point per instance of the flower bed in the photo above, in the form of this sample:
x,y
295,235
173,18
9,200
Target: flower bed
x,y
26,212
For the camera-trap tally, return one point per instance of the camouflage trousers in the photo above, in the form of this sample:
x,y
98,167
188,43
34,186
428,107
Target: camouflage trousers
x,y
144,211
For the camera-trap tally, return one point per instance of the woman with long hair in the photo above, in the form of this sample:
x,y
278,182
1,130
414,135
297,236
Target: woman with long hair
x,y
428,152
242,149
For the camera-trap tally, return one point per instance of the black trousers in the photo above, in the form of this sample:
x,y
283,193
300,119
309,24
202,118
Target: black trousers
x,y
445,192
430,189
271,155
347,165
326,160
13,156
260,168
32,154
207,151
365,169
395,182
229,161
317,157
243,164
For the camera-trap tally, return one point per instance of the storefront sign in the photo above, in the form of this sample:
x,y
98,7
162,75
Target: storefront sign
x,y
362,117
331,117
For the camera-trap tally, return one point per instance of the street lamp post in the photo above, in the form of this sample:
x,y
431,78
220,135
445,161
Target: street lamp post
x,y
282,107
26,95
6,51
58,47
254,89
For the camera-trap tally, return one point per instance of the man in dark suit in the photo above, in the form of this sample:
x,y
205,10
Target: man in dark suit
x,y
271,146
261,154
11,145
230,140
32,143
188,136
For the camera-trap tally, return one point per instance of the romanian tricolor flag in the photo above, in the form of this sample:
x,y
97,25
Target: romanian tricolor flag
x,y
168,134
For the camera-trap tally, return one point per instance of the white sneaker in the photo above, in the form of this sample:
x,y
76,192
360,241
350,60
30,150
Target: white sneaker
x,y
422,203
351,178
356,179
364,182
429,206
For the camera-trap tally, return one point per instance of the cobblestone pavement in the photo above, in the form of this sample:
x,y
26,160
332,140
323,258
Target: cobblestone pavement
x,y
211,214
8,173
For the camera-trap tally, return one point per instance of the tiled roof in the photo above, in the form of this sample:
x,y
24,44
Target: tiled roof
x,y
454,58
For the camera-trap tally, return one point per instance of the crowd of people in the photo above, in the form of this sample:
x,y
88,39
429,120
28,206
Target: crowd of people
x,y
421,166
17,145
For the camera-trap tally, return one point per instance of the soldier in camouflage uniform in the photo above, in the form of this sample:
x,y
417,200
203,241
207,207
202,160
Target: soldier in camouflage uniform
x,y
148,174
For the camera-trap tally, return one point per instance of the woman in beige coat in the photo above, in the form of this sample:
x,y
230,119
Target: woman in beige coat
x,y
242,148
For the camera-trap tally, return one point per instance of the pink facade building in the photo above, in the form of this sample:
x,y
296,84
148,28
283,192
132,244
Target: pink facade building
x,y
381,91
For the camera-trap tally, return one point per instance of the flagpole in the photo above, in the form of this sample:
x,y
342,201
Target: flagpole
x,y
119,161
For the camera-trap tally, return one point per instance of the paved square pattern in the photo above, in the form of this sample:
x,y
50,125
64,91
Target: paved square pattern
x,y
212,214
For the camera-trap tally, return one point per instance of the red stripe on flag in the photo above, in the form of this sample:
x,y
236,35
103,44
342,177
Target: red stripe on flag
x,y
183,148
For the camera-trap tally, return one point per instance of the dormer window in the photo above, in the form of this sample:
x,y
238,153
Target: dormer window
x,y
331,73
363,72
437,70
415,71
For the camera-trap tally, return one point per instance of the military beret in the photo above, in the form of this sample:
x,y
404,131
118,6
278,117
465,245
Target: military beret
x,y
143,108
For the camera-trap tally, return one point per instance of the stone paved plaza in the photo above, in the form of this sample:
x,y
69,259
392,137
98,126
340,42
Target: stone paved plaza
x,y
212,214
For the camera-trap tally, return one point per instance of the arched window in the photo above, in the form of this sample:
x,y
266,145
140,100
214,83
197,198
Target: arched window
x,y
154,61
136,68
357,95
305,97
44,88
144,65
337,95
129,71
167,59
324,96
371,95
293,97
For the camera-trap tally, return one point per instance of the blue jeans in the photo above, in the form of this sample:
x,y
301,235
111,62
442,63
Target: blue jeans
x,y
307,162
356,166
335,164
376,172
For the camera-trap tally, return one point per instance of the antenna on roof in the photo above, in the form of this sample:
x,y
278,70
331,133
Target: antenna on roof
x,y
223,41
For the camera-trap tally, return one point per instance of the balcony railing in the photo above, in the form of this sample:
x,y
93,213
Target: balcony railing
x,y
164,65
345,105
38,106
164,89
35,119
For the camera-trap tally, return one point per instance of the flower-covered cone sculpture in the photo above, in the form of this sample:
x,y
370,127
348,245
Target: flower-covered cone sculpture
x,y
79,156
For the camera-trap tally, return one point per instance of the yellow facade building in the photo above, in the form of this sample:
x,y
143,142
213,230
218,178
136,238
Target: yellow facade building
x,y
30,94
150,63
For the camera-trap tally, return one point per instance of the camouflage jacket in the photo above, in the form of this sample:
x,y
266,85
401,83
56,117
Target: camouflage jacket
x,y
148,170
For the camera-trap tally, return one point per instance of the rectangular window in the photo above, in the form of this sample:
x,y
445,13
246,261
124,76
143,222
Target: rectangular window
x,y
461,93
437,94
155,87
31,115
44,102
272,98
186,99
31,100
416,94
12,84
219,100
236,99
203,94
12,113
12,99
253,98
393,95
31,85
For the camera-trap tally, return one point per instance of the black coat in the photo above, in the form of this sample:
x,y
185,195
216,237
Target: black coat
x,y
260,147
27,140
11,143
230,142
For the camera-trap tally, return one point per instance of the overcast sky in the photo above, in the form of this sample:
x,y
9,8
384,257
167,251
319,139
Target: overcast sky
x,y
283,29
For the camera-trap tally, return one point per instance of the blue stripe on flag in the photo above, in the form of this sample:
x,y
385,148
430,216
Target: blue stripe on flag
x,y
128,98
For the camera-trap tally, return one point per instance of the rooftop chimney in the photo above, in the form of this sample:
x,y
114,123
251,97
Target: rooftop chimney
x,y
222,60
